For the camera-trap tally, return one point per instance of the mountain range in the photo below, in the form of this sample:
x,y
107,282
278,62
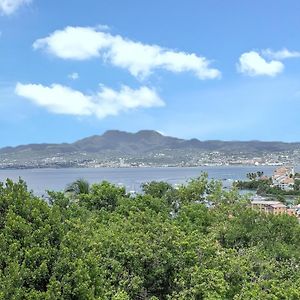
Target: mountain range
x,y
145,141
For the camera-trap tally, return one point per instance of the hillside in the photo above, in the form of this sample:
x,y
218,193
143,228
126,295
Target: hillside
x,y
148,140
146,148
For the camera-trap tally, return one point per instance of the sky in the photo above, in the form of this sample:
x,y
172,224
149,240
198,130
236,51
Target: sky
x,y
207,69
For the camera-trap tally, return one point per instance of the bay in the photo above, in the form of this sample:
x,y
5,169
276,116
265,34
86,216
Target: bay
x,y
40,180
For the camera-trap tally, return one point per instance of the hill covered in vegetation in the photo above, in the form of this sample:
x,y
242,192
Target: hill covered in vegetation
x,y
144,141
98,242
116,148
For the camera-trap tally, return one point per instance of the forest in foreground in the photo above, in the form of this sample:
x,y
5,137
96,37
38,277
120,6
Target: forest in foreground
x,y
98,242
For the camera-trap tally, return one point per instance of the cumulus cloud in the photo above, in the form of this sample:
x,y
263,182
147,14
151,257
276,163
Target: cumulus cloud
x,y
81,43
60,99
253,64
280,55
8,7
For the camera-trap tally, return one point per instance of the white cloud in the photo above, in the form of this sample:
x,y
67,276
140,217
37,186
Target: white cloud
x,y
64,100
8,7
252,64
73,76
279,55
81,43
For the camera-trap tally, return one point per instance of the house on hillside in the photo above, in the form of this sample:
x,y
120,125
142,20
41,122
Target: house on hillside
x,y
283,178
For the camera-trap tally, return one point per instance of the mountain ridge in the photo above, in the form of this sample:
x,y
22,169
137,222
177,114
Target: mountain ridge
x,y
150,140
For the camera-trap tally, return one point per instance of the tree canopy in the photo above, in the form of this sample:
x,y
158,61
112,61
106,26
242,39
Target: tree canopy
x,y
105,244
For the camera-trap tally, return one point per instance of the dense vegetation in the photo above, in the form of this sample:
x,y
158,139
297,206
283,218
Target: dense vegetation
x,y
97,242
262,186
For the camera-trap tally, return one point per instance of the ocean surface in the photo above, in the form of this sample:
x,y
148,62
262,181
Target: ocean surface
x,y
40,180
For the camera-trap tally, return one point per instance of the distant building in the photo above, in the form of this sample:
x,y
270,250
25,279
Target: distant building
x,y
293,212
273,207
297,210
283,178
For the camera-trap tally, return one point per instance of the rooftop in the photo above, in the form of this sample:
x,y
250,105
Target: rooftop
x,y
265,202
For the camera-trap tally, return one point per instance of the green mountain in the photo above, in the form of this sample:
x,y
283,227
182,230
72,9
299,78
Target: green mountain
x,y
146,147
146,141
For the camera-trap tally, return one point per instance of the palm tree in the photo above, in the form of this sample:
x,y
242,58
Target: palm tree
x,y
260,174
79,186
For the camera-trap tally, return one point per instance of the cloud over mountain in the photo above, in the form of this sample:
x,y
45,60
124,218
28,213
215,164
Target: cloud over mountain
x,y
60,99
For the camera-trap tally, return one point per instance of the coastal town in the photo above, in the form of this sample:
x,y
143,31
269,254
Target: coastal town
x,y
170,158
283,179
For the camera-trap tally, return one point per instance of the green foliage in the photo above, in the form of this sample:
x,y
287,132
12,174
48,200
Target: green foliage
x,y
297,201
259,185
194,190
160,189
79,186
157,189
254,176
297,185
263,187
103,195
106,245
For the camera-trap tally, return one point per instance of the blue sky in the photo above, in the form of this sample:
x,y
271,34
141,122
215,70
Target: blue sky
x,y
207,69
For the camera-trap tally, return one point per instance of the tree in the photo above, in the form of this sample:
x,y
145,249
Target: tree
x,y
297,201
194,190
260,173
79,186
108,245
102,195
160,189
157,188
252,176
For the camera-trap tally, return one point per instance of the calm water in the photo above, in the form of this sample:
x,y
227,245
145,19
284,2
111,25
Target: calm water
x,y
40,180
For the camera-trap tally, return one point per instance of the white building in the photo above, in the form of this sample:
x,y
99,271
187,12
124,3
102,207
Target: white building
x,y
283,178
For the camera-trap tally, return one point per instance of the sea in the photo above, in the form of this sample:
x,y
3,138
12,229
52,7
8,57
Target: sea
x,y
40,180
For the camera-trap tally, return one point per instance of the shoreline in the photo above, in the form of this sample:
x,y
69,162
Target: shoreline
x,y
138,167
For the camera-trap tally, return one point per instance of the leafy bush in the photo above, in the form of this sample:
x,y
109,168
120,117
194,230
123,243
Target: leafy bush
x,y
104,244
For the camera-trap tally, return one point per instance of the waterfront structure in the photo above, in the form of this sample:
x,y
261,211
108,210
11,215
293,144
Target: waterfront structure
x,y
283,178
273,207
